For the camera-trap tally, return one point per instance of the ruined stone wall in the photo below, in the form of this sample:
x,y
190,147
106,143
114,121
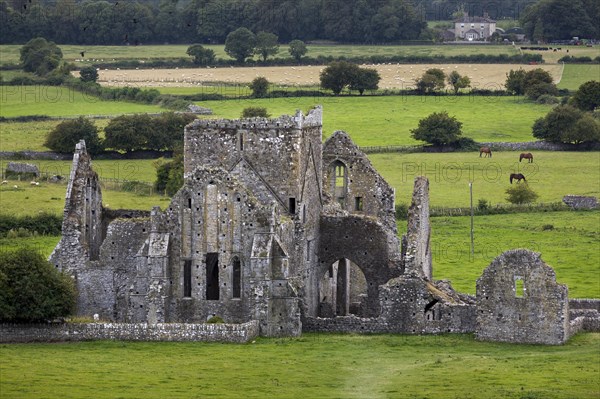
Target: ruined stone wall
x,y
581,201
232,333
416,249
519,300
273,148
367,193
364,241
82,229
212,214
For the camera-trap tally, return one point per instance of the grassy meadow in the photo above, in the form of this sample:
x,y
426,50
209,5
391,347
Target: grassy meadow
x,y
61,101
575,75
381,121
552,175
312,366
9,54
370,121
568,241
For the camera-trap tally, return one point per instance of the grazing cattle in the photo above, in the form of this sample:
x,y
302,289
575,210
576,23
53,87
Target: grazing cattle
x,y
518,177
485,150
526,155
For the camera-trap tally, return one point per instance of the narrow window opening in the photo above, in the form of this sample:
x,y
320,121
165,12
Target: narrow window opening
x,y
519,287
187,278
237,278
339,182
241,141
308,249
304,213
293,206
212,276
358,203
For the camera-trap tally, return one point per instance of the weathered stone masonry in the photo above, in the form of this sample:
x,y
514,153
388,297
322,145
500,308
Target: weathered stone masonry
x,y
274,227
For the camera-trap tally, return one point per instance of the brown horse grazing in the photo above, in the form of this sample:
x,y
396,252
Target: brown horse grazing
x,y
526,155
485,150
518,177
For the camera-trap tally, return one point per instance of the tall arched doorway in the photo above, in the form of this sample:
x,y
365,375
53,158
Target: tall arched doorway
x,y
342,290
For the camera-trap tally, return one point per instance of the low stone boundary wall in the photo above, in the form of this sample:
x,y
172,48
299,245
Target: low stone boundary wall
x,y
584,304
345,324
63,332
540,145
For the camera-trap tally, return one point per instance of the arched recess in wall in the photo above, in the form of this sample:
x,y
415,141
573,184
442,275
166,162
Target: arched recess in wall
x,y
343,290
338,173
236,277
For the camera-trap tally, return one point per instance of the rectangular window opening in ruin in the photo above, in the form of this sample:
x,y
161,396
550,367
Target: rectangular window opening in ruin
x,y
212,276
519,287
358,204
187,278
237,279
189,203
292,205
241,141
308,249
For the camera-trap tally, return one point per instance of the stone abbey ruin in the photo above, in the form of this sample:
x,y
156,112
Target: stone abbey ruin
x,y
275,226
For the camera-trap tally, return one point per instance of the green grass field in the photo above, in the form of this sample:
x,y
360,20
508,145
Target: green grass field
x,y
9,54
568,241
575,75
552,175
61,101
313,366
49,197
370,121
380,121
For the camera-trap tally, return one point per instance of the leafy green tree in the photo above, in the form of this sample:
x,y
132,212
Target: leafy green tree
x,y
168,130
202,55
587,97
521,194
297,49
567,124
514,82
266,44
259,87
532,83
365,79
457,81
40,56
88,74
240,44
128,132
31,289
337,75
169,175
438,129
255,112
67,134
548,20
432,80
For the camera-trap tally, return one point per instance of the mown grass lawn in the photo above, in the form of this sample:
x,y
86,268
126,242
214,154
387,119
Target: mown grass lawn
x,y
312,366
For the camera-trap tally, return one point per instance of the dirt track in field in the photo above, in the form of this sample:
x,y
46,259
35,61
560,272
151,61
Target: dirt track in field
x,y
393,76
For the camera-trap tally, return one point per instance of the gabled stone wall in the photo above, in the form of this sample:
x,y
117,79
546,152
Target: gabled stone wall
x,y
519,300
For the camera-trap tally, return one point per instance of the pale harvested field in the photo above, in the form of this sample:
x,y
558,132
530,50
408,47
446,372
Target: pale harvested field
x,y
393,76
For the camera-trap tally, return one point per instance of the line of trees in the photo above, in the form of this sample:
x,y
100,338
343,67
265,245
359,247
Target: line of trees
x,y
101,22
124,133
